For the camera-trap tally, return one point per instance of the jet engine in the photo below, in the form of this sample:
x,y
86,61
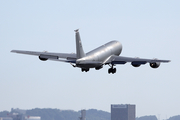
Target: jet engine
x,y
155,64
97,68
135,65
43,58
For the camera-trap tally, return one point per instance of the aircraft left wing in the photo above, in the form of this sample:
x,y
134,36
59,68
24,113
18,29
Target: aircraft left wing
x,y
50,56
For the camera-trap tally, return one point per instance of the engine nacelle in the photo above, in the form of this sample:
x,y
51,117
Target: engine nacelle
x,y
155,64
43,58
97,68
135,64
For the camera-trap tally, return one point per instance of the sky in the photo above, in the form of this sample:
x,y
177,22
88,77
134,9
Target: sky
x,y
146,29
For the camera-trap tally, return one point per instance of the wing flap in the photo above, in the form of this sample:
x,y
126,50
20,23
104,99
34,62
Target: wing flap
x,y
60,60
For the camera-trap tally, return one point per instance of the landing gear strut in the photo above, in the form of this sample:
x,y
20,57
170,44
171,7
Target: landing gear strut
x,y
86,70
112,70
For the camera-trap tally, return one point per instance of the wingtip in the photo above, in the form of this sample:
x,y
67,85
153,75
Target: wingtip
x,y
167,61
15,51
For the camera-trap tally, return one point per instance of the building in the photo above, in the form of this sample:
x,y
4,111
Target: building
x,y
123,112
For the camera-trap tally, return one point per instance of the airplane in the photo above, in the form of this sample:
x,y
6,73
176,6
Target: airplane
x,y
107,54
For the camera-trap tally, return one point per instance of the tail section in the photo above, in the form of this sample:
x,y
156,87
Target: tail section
x,y
79,49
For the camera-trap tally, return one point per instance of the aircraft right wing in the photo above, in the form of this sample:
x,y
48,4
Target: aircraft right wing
x,y
50,56
134,61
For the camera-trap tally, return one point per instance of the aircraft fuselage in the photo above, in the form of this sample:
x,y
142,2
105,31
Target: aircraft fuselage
x,y
98,56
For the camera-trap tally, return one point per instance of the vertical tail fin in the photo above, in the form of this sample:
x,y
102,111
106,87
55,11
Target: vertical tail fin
x,y
79,49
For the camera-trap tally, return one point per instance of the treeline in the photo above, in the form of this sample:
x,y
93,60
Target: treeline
x,y
91,114
175,118
56,114
152,117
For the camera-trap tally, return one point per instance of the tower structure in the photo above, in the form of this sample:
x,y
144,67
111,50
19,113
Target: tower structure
x,y
83,115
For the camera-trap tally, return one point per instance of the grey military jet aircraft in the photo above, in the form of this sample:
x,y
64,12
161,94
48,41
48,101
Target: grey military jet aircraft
x,y
107,54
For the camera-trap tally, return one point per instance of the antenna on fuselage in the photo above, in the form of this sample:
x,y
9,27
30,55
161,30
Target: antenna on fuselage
x,y
79,49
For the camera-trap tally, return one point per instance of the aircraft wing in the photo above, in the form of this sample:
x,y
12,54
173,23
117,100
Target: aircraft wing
x,y
50,56
123,60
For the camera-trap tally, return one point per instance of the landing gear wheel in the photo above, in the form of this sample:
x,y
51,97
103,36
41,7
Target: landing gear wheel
x,y
112,70
109,70
86,70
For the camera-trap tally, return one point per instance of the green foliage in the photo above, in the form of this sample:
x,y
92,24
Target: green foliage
x,y
175,118
91,114
53,114
4,113
56,114
152,117
94,114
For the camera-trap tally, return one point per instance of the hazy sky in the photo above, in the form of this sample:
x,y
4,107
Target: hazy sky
x,y
146,28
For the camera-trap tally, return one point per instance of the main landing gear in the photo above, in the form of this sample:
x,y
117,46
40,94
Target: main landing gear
x,y
86,70
112,70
